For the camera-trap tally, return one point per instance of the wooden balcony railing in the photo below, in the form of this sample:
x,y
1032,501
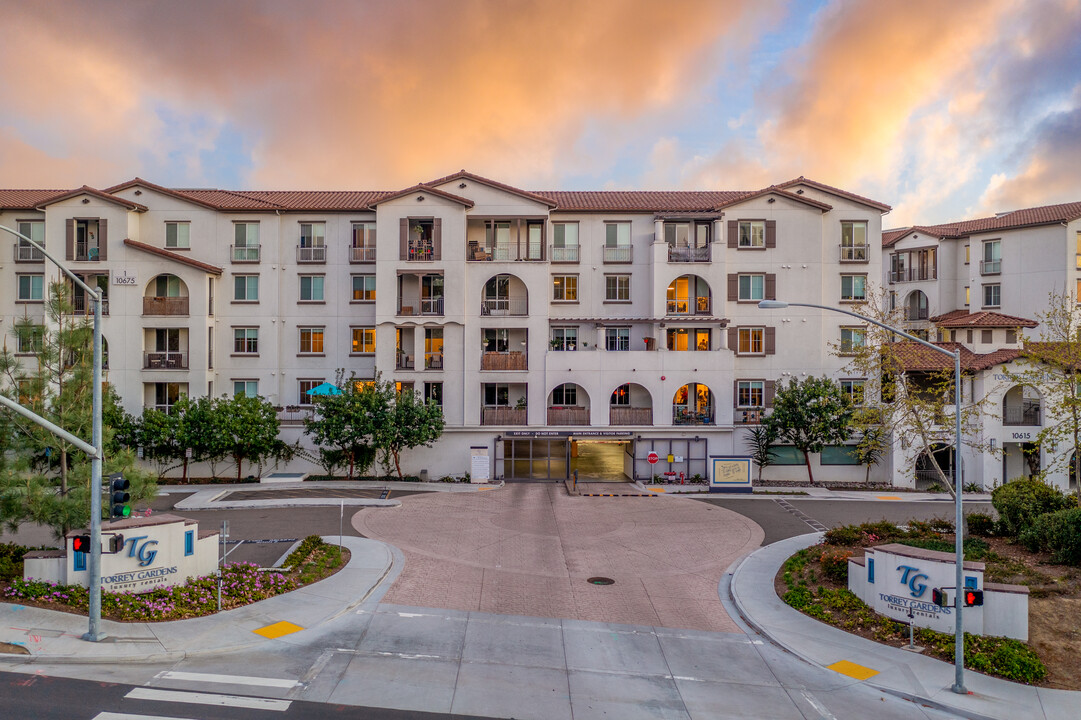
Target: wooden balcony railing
x,y
172,306
503,361
630,416
502,416
568,416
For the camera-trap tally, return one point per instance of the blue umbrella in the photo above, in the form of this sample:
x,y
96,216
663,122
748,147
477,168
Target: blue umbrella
x,y
325,389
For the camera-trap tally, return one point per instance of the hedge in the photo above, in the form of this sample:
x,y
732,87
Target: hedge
x,y
1058,533
1019,503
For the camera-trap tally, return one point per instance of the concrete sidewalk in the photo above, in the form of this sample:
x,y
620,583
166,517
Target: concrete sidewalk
x,y
895,671
56,637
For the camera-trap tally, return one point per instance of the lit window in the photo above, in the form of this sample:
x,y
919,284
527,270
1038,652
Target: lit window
x,y
751,341
617,287
363,340
433,393
364,288
968,295
311,340
751,393
621,396
305,387
177,235
565,287
853,240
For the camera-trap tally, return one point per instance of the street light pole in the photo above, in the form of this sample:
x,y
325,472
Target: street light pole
x,y
959,518
94,632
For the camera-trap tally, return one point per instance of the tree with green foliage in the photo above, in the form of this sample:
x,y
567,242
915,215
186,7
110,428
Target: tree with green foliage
x,y
760,442
343,425
408,422
810,414
249,425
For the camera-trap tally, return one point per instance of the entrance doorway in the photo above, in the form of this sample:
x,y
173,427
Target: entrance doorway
x,y
555,459
1020,460
606,460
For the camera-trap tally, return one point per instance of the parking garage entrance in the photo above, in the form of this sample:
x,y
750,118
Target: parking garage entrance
x,y
554,456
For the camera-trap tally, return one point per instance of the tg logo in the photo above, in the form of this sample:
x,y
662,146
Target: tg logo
x,y
144,552
912,576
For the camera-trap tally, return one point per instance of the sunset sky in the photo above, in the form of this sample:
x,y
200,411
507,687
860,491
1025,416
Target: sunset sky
x,y
943,109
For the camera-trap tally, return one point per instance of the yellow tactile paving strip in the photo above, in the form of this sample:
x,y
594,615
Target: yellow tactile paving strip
x,y
852,670
278,629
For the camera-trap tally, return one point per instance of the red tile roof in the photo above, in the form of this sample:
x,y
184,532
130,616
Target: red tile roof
x,y
914,357
214,269
318,200
836,191
639,200
775,190
1025,217
426,189
982,319
27,199
464,174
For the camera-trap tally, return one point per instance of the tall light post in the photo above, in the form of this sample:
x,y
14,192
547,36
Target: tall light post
x,y
95,451
959,518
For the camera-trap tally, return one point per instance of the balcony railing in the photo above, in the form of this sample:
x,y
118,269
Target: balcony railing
x,y
514,306
504,253
914,314
311,254
683,416
87,253
28,253
165,360
424,306
747,416
82,305
913,274
502,416
420,250
294,414
688,254
361,254
563,254
853,253
404,362
245,253
619,254
990,267
630,416
683,305
433,361
172,306
568,416
1024,415
503,361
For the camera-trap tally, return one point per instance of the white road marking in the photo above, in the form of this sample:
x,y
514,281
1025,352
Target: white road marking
x,y
196,698
226,679
129,716
826,714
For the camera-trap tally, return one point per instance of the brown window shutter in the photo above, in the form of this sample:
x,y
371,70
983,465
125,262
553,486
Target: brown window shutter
x,y
771,341
771,286
403,239
771,233
69,247
735,393
733,286
437,239
103,239
733,233
771,391
733,338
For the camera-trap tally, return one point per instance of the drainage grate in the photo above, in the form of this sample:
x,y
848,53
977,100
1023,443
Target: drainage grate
x,y
601,581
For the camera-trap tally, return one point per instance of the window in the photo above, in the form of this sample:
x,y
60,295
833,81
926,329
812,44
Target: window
x,y
363,247
1011,335
496,340
433,348
311,340
28,339
311,288
364,340
852,339
31,288
968,295
496,395
853,240
617,288
564,338
566,394
313,235
752,287
751,341
178,235
364,288
246,341
189,542
305,387
1078,247
853,287
853,389
564,242
433,393
35,230
687,339
967,255
992,257
752,234
617,242
839,455
987,337
246,288
565,288
751,393
992,295
617,338
250,388
621,396
167,286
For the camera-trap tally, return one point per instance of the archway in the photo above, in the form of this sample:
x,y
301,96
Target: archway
x,y
630,404
693,405
916,306
689,295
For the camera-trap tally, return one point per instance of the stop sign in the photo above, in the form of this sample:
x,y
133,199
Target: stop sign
x,y
652,458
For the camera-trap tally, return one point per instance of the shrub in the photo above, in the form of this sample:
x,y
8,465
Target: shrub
x,y
307,546
1058,533
1019,502
980,524
799,597
847,535
835,564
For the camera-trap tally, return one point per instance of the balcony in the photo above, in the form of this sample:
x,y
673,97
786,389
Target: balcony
x,y
685,416
747,416
563,254
990,267
619,254
404,362
294,414
165,360
913,274
568,416
361,254
1027,414
82,305
504,253
502,416
245,253
914,314
28,253
686,305
503,361
424,306
419,250
311,254
504,307
854,253
433,360
87,253
630,416
688,254
167,306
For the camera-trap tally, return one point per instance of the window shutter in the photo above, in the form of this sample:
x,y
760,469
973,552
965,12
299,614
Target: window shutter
x,y
69,247
771,341
733,286
403,239
103,239
437,239
771,391
733,338
771,286
771,233
733,233
735,393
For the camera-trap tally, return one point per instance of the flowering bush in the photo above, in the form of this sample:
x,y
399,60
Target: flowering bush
x,y
835,564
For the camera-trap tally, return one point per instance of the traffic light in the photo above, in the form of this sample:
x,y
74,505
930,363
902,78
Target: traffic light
x,y
81,543
973,598
118,496
940,597
116,543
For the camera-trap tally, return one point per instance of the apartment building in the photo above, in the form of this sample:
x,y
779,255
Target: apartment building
x,y
558,330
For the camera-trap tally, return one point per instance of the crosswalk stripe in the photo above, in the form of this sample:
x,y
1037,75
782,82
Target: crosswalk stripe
x,y
197,698
227,679
129,716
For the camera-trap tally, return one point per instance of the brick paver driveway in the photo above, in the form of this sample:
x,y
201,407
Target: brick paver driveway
x,y
528,549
